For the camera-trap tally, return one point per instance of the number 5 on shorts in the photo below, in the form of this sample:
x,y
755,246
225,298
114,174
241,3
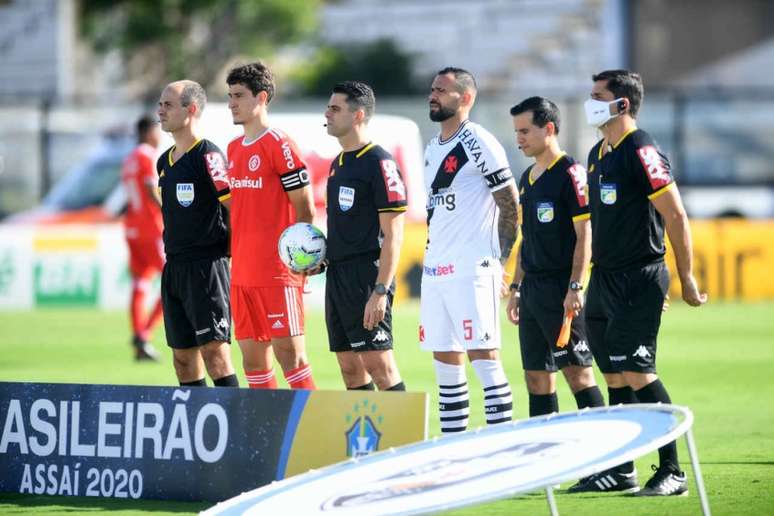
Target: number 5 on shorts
x,y
467,329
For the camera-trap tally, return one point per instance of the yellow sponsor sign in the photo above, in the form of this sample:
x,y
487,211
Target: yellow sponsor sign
x,y
336,426
733,260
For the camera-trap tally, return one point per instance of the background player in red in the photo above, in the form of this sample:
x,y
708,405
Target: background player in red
x,y
270,190
143,227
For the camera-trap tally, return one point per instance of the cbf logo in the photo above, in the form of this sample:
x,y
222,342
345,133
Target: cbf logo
x,y
363,436
185,194
607,193
545,212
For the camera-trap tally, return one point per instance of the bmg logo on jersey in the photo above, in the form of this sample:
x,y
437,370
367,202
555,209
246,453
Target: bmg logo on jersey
x,y
185,194
445,199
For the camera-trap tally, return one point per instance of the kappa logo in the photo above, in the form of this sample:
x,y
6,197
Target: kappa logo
x,y
581,347
486,337
277,325
381,336
363,436
485,264
642,352
254,162
223,323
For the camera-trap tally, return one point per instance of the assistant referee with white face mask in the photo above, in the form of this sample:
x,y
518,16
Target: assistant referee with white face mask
x,y
633,199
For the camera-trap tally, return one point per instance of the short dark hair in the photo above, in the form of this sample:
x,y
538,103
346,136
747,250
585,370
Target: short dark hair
x,y
144,124
463,78
193,93
624,84
359,95
256,77
543,111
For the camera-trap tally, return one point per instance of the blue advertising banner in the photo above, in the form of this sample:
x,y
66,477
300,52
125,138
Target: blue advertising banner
x,y
142,442
174,443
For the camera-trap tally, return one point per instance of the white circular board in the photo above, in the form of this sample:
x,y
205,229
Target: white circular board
x,y
472,467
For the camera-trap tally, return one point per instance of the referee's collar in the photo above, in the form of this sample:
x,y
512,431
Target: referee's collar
x,y
359,152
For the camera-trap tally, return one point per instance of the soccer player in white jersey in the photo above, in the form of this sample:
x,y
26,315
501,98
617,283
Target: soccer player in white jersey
x,y
472,223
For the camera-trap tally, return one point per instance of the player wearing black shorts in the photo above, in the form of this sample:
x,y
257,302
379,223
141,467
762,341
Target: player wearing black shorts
x,y
552,262
633,200
195,281
366,205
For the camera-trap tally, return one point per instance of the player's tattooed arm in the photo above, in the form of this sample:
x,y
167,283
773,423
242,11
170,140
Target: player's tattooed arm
x,y
507,199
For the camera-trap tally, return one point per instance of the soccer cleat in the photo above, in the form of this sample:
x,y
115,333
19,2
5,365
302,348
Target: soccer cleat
x,y
665,482
607,482
144,350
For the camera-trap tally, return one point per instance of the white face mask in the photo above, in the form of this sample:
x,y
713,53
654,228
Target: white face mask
x,y
598,112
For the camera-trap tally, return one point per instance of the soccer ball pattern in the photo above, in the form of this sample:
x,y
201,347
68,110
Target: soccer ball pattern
x,y
301,247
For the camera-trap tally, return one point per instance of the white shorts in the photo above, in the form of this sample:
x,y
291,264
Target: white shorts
x,y
460,314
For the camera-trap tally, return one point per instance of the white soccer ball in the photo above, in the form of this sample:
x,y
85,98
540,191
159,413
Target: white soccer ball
x,y
302,247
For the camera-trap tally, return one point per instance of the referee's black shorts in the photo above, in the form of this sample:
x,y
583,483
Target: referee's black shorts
x,y
623,316
541,314
195,299
348,285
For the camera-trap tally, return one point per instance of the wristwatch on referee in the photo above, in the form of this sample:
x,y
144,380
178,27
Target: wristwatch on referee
x,y
576,286
380,289
514,287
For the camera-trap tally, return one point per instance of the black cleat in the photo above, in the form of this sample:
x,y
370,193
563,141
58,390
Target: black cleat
x,y
607,481
665,482
144,351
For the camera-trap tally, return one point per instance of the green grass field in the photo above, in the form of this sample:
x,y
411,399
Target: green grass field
x,y
717,360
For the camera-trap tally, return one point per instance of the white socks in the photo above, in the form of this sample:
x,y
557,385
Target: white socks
x,y
453,398
498,403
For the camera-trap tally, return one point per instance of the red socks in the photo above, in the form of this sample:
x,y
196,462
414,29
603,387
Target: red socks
x,y
261,379
301,378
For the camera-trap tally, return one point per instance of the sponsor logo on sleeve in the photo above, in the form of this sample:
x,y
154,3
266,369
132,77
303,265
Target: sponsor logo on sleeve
x,y
287,154
216,167
658,174
579,183
396,190
185,194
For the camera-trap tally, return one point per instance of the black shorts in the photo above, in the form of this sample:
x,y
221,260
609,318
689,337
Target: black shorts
x,y
348,286
541,314
195,299
623,316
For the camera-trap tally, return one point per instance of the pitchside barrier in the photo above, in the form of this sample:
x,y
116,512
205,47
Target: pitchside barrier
x,y
87,266
188,443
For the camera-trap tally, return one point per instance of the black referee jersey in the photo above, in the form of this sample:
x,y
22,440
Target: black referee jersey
x,y
627,230
362,183
548,207
192,188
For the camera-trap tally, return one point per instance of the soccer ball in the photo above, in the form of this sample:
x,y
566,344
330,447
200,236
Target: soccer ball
x,y
301,247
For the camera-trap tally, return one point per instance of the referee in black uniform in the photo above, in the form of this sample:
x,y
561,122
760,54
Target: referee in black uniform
x,y
366,204
195,282
633,200
551,263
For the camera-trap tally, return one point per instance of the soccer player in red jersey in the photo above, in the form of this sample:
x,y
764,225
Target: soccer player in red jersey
x,y
143,227
270,190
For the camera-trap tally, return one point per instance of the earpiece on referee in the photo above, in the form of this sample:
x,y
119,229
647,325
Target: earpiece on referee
x,y
621,105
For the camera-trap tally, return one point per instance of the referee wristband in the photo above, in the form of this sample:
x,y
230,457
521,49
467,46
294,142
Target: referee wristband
x,y
514,287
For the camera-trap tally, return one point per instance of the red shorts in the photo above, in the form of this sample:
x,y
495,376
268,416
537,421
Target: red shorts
x,y
265,313
146,257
